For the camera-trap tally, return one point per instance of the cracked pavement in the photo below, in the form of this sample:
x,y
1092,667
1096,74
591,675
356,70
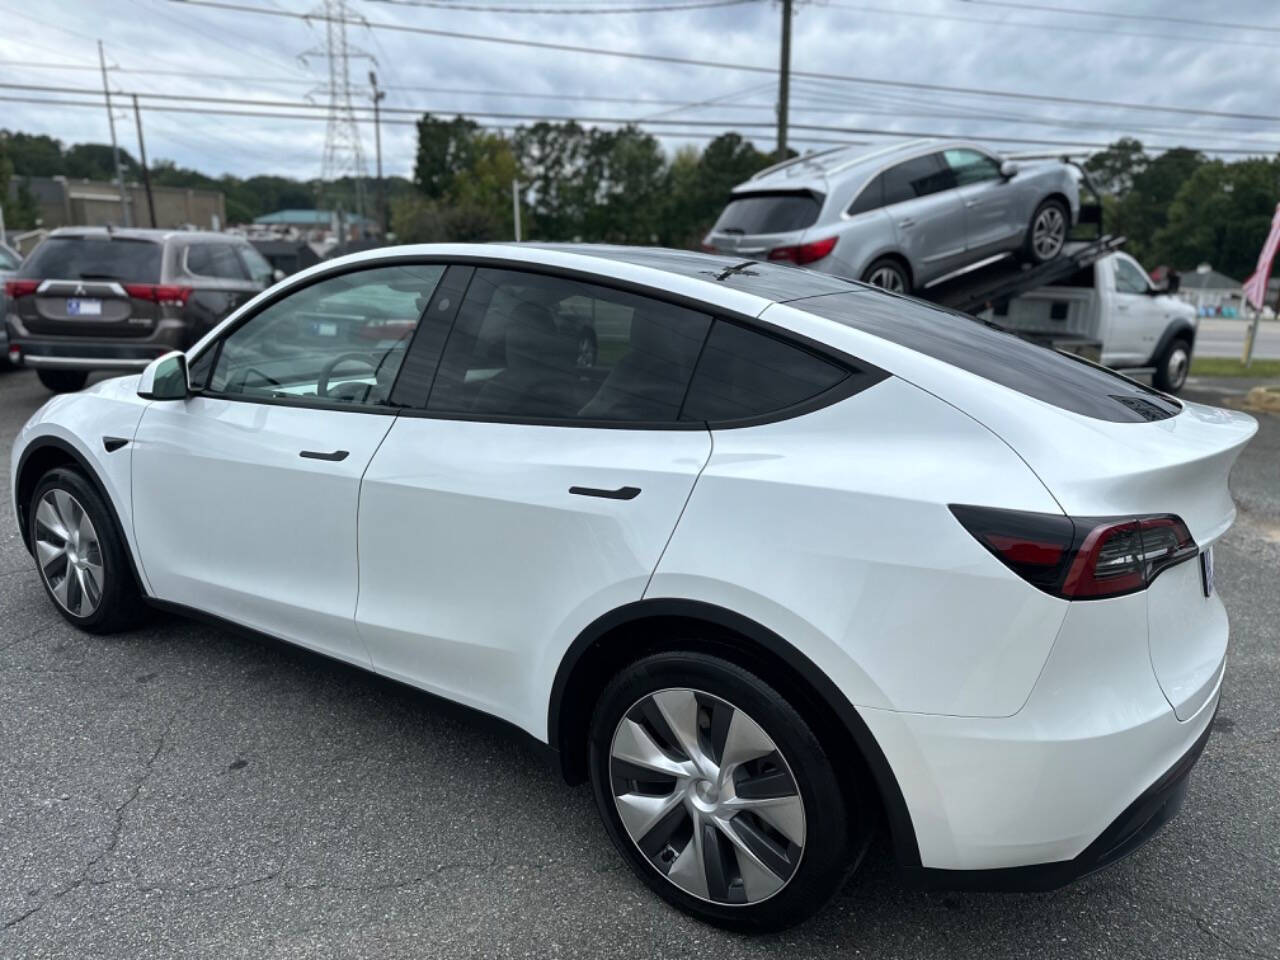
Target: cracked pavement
x,y
182,790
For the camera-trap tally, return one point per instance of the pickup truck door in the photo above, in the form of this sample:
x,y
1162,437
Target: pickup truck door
x,y
1136,317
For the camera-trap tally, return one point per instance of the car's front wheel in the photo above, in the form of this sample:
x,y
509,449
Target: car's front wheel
x,y
718,793
63,381
80,555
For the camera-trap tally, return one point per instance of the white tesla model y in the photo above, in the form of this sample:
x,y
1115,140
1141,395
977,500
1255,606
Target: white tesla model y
x,y
768,556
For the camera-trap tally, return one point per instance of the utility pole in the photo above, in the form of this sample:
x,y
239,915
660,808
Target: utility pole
x,y
784,80
378,97
515,206
142,158
115,148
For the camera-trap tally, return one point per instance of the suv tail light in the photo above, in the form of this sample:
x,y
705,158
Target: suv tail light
x,y
803,253
13,289
1084,558
161,293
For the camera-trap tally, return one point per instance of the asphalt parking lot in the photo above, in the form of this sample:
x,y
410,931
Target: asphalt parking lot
x,y
185,791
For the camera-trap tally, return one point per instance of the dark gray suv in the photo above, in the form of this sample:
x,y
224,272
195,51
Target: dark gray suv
x,y
92,298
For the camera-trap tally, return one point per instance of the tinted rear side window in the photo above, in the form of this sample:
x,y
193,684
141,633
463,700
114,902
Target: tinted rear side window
x,y
871,197
215,260
95,258
1064,381
769,213
917,178
744,374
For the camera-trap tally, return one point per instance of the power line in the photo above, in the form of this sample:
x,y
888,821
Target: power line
x,y
364,115
217,111
749,68
1055,27
1077,12
482,8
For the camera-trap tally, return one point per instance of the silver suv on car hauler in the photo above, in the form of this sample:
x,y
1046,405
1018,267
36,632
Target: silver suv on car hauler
x,y
900,216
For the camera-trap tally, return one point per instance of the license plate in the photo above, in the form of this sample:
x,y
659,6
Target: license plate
x,y
84,308
1206,571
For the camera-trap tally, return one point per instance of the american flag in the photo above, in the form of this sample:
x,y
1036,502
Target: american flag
x,y
1255,288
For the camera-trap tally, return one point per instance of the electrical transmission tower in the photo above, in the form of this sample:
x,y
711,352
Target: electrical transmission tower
x,y
343,154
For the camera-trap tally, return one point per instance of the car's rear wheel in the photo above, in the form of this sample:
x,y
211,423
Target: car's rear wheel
x,y
1172,366
63,381
1047,233
889,274
81,557
718,793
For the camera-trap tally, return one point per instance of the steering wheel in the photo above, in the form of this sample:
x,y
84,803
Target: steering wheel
x,y
322,385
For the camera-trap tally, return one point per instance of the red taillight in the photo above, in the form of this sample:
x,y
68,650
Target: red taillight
x,y
707,247
13,289
803,253
161,293
1082,558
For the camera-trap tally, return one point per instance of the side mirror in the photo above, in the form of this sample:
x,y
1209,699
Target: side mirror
x,y
1173,282
1009,169
277,275
165,378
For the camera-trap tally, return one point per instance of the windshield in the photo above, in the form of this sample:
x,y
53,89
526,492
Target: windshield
x,y
1065,381
95,258
769,213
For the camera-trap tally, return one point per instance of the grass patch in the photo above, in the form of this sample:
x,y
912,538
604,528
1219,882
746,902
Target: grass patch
x,y
1232,367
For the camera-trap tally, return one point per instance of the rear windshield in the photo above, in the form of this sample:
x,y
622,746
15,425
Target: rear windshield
x,y
958,339
769,213
94,258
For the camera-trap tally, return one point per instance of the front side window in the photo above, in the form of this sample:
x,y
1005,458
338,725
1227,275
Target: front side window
x,y
970,166
1129,279
917,178
527,346
340,340
217,260
743,373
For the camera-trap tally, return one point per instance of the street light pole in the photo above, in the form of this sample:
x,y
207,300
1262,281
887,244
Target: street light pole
x,y
115,148
784,80
378,97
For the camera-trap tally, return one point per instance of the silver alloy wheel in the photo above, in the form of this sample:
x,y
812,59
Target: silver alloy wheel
x,y
1049,233
69,553
1176,367
707,797
888,278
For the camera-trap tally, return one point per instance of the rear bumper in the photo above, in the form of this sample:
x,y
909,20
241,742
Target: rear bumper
x,y
1088,768
76,354
1139,822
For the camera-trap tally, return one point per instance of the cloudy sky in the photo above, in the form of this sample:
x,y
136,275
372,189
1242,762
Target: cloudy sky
x,y
1029,46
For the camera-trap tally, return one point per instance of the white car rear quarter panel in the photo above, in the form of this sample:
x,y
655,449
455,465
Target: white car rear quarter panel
x,y
110,408
833,530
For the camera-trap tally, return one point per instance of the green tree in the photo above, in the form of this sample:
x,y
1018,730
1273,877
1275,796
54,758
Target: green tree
x,y
445,150
553,159
698,185
1220,215
95,161
1143,211
33,155
1114,168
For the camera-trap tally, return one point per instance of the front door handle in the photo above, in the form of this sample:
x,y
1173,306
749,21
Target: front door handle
x,y
971,203
906,222
622,493
333,456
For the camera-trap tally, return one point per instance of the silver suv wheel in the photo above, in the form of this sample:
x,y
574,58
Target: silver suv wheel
x,y
707,796
1048,232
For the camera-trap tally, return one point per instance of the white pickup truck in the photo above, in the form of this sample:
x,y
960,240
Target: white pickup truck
x,y
1112,302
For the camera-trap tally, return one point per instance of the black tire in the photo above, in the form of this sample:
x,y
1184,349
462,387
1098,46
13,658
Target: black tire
x,y
63,381
1172,366
889,274
1057,217
119,604
834,829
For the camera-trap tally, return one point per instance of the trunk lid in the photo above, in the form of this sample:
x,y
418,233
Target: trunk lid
x,y
758,221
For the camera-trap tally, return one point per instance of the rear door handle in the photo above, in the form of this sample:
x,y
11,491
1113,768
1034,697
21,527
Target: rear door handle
x,y
334,456
622,493
908,222
971,203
